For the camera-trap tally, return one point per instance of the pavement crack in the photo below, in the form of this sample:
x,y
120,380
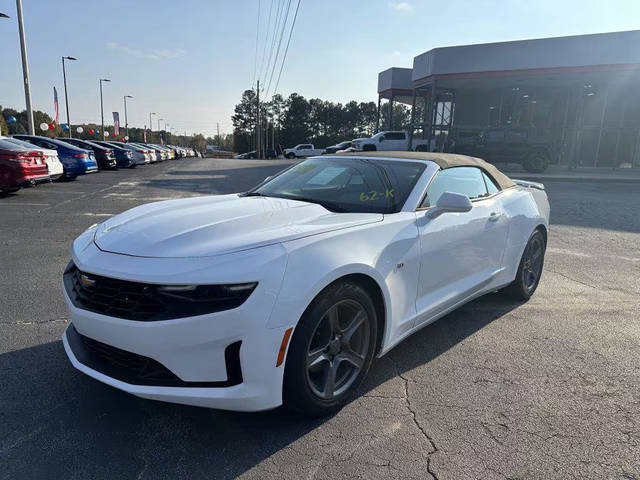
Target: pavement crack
x,y
434,447
621,290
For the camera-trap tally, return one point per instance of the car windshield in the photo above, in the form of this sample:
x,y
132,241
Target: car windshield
x,y
346,184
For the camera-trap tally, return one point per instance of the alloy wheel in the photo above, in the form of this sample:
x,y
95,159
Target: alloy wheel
x,y
338,349
532,266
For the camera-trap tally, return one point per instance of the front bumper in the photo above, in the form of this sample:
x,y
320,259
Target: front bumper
x,y
194,354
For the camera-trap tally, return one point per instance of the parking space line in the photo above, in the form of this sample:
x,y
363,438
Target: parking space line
x,y
21,204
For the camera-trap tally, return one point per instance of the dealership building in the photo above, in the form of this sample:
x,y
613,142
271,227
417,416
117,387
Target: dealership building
x,y
579,94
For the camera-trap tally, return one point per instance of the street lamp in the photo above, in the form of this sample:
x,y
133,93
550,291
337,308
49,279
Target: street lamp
x,y
66,97
101,106
160,120
126,123
25,66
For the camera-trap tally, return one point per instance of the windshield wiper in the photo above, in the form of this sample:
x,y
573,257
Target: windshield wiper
x,y
334,207
253,194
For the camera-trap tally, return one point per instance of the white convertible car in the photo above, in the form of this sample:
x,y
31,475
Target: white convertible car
x,y
284,294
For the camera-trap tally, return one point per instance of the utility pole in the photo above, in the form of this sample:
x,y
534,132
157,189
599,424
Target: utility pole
x,y
25,69
258,140
218,128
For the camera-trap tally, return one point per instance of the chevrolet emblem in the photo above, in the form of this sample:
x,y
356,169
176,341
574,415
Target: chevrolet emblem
x,y
86,281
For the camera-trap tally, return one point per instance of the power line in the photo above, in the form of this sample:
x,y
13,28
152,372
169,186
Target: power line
x,y
255,58
273,37
266,40
275,60
286,50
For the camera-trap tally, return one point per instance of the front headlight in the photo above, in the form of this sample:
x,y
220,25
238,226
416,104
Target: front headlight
x,y
218,297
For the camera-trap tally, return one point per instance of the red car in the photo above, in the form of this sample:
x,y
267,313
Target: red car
x,y
20,166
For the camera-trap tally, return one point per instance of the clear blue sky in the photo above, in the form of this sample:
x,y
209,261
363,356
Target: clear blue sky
x,y
190,60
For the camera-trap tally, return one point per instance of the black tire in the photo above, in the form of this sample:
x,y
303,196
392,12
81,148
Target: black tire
x,y
422,148
7,191
369,148
524,285
303,382
537,162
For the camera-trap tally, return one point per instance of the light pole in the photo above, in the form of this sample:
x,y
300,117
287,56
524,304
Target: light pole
x,y
101,107
150,125
66,97
126,123
25,67
160,120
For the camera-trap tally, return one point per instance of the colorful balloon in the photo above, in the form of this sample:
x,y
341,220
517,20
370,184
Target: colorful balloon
x,y
11,119
79,129
91,131
65,127
44,127
52,126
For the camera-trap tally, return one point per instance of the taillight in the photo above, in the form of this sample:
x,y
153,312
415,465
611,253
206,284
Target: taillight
x,y
140,151
79,155
26,157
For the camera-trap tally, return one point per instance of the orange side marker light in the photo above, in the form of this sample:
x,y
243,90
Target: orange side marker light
x,y
283,346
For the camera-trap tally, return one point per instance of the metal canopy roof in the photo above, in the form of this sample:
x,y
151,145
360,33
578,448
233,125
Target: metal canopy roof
x,y
575,52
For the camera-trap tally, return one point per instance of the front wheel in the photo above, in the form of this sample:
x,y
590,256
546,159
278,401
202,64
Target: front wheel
x,y
331,350
529,269
291,155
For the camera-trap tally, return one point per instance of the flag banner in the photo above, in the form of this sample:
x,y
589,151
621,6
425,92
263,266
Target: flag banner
x,y
116,123
55,103
145,134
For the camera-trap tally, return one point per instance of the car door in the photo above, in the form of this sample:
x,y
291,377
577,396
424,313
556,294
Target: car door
x,y
460,253
399,141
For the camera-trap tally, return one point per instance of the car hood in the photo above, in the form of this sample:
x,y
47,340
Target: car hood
x,y
207,226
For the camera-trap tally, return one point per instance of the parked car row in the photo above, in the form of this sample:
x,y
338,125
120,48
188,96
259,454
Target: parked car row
x,y
31,159
498,145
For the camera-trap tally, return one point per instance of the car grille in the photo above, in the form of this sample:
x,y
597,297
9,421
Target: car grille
x,y
113,297
137,369
145,301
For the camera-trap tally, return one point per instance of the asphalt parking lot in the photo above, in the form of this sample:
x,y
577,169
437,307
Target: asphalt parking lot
x,y
549,389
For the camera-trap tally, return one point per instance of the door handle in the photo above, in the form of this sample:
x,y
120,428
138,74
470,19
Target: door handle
x,y
494,216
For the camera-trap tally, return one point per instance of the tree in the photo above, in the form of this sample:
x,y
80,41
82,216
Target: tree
x,y
244,121
198,142
295,123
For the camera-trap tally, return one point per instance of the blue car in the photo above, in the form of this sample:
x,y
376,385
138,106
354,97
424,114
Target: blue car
x,y
76,161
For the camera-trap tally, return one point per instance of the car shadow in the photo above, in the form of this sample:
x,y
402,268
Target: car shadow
x,y
59,423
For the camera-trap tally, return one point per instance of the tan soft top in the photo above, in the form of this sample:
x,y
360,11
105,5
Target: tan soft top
x,y
444,160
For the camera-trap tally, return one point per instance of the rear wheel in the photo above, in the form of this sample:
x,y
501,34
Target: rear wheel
x,y
530,268
369,148
331,350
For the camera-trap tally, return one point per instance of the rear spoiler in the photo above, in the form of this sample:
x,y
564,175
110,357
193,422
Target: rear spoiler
x,y
525,183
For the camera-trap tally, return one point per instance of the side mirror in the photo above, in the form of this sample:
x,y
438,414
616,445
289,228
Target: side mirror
x,y
450,202
382,139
